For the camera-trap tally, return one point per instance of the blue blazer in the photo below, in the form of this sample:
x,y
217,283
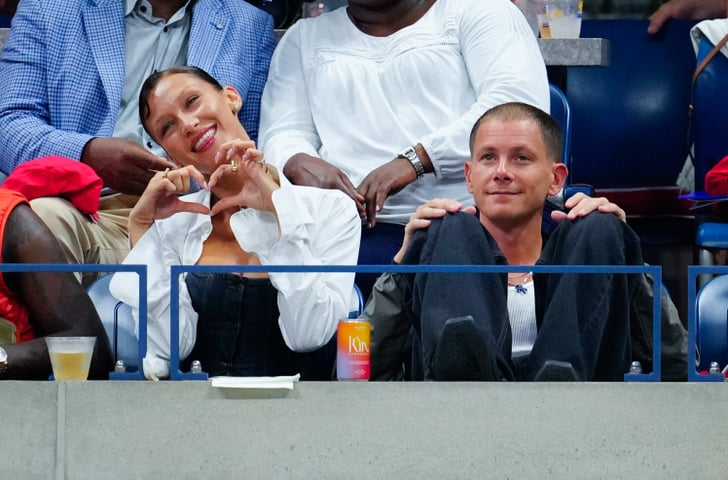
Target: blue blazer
x,y
62,70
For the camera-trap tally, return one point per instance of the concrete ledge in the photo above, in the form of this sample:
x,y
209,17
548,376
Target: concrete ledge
x,y
28,429
181,430
575,52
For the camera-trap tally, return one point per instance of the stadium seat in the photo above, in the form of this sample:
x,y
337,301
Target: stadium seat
x,y
710,124
711,314
118,323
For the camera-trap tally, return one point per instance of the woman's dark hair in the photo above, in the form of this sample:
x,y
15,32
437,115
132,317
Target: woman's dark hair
x,y
152,80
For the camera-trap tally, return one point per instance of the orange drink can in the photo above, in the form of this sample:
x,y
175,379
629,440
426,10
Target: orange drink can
x,y
352,354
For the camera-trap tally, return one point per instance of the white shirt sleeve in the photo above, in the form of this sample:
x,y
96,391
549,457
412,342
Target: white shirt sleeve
x,y
125,287
286,121
317,227
504,64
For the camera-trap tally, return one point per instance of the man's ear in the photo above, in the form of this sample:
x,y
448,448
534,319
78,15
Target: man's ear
x,y
234,99
560,173
468,169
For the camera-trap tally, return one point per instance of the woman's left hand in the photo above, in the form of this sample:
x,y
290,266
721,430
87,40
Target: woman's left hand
x,y
241,158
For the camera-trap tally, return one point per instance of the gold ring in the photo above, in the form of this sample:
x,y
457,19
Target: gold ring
x,y
234,167
166,172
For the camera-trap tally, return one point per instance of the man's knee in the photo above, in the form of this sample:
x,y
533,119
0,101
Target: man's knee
x,y
597,239
72,229
57,213
598,228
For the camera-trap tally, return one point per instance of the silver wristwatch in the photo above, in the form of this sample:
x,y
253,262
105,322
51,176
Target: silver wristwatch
x,y
410,154
3,360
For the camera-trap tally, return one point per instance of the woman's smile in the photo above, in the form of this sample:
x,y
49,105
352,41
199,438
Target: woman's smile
x,y
206,140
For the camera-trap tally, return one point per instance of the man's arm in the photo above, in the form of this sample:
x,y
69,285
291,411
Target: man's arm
x,y
263,47
57,303
24,124
686,9
288,135
53,101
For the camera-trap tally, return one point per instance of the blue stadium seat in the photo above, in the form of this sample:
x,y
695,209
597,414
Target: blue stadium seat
x,y
711,314
710,127
561,111
630,117
118,323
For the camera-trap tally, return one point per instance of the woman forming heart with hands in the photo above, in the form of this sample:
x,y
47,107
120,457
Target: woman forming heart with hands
x,y
244,324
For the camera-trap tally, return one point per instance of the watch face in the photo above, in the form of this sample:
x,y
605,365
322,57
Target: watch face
x,y
3,359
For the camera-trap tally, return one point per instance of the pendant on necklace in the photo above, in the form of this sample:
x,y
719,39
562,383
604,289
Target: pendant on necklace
x,y
520,288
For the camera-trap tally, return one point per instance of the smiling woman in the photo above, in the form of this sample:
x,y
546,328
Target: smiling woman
x,y
245,214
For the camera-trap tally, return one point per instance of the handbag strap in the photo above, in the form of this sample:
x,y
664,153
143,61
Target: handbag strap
x,y
708,58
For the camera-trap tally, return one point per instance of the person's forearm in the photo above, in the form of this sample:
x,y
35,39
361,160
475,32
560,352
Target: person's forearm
x,y
25,132
30,360
27,361
137,227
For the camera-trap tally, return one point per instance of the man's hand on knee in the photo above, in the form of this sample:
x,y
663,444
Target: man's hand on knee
x,y
581,205
422,218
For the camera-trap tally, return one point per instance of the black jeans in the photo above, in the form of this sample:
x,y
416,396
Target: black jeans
x,y
238,332
378,247
583,319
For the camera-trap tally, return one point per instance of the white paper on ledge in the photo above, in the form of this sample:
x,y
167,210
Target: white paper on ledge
x,y
282,382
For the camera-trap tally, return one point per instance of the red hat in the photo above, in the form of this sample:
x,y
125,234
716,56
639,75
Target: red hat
x,y
55,176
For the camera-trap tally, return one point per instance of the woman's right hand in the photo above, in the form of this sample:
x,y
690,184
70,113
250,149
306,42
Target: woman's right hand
x,y
160,199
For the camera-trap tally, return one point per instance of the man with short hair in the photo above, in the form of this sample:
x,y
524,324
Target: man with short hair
x,y
521,325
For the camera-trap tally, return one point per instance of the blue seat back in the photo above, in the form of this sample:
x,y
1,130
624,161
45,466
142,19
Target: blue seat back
x,y
356,303
710,118
712,322
561,111
118,323
630,117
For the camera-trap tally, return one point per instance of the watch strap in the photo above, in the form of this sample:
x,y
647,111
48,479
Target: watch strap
x,y
3,360
411,155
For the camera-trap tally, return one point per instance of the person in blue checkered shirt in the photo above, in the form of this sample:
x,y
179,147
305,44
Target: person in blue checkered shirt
x,y
70,75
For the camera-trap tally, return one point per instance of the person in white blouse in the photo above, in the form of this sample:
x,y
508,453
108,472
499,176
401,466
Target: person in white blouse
x,y
377,99
244,214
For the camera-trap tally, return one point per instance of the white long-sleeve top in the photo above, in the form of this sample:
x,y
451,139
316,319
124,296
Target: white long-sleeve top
x,y
357,101
317,227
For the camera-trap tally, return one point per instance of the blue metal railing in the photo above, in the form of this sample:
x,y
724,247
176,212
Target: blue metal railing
x,y
140,270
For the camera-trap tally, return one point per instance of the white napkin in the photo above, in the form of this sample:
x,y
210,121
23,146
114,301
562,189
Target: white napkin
x,y
282,382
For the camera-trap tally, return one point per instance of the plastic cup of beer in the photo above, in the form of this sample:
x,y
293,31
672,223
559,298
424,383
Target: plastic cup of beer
x,y
70,356
559,18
